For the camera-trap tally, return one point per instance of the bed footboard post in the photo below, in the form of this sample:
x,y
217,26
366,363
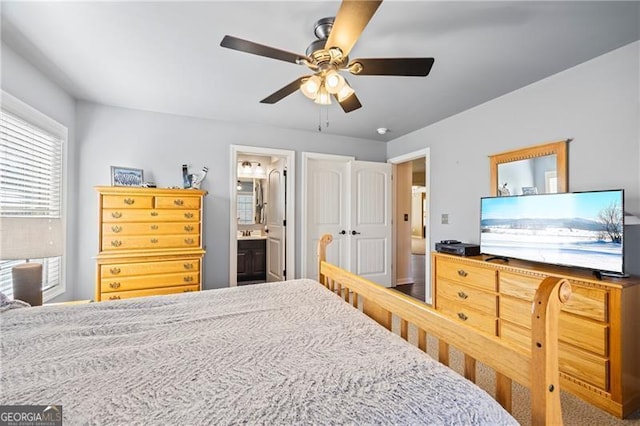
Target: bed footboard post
x,y
325,240
545,376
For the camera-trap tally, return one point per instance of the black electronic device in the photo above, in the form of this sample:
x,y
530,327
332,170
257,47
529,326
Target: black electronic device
x,y
458,248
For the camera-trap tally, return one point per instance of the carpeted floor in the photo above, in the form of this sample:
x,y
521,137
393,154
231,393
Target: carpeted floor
x,y
575,411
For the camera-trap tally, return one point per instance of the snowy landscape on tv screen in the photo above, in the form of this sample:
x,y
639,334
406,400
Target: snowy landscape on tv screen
x,y
582,229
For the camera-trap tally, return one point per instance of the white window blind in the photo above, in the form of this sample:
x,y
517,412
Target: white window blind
x,y
31,174
30,169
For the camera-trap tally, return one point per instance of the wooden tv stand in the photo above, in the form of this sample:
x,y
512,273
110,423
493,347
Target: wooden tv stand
x,y
599,344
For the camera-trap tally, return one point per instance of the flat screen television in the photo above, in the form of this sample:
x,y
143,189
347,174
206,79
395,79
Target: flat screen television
x,y
581,229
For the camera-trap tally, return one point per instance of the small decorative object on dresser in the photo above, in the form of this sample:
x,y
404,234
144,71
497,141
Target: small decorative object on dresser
x,y
124,176
150,242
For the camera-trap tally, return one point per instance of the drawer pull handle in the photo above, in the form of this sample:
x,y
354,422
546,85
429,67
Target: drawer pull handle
x,y
188,290
462,272
188,228
154,227
116,243
462,316
114,271
129,201
178,202
114,297
116,228
462,295
188,266
188,240
188,279
154,240
188,215
114,285
116,215
154,214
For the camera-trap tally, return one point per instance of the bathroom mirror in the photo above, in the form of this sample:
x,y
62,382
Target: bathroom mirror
x,y
539,169
250,201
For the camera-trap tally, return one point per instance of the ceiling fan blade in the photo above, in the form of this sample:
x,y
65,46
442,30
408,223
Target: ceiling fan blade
x,y
235,43
349,104
411,67
353,16
284,92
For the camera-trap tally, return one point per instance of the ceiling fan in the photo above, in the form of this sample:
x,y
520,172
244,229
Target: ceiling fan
x,y
329,54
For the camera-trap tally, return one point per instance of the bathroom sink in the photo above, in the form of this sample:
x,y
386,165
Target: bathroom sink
x,y
256,236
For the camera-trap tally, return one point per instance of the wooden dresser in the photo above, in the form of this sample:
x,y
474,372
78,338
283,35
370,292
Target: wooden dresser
x,y
150,242
599,326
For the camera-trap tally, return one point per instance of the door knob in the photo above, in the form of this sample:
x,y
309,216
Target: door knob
x,y
343,232
355,233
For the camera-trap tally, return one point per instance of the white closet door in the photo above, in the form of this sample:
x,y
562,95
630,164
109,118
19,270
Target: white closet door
x,y
352,202
370,221
327,212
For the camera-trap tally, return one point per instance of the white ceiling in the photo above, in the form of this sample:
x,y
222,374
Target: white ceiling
x,y
166,56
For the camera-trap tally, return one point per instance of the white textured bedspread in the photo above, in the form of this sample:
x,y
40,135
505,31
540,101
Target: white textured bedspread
x,y
280,353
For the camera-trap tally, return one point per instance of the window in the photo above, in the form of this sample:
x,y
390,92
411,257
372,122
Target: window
x,y
32,154
551,182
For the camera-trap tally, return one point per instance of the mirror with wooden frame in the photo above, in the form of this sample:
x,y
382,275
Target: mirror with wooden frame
x,y
540,169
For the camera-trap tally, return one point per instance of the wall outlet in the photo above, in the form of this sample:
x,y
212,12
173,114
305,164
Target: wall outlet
x,y
445,218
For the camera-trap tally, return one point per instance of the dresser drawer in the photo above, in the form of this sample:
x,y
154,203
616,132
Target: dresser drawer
x,y
149,292
149,268
584,301
462,313
135,242
515,334
581,332
163,202
582,365
135,215
466,274
151,228
466,296
127,202
148,281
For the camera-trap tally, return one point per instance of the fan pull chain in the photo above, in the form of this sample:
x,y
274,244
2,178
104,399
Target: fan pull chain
x,y
320,118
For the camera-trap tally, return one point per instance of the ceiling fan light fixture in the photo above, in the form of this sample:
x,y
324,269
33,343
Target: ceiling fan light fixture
x,y
333,81
323,98
344,92
311,87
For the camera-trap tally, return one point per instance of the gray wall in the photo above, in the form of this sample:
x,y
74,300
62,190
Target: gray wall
x,y
596,103
25,82
160,144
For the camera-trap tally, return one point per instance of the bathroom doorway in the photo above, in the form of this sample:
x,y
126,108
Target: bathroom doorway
x,y
262,238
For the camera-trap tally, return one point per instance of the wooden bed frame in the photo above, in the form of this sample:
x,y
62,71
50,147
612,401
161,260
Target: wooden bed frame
x,y
537,370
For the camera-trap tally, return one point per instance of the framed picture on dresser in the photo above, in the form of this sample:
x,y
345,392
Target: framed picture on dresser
x,y
125,176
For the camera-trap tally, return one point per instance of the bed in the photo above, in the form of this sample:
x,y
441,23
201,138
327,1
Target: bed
x,y
279,353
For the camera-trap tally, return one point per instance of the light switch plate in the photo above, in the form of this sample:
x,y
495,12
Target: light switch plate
x,y
445,218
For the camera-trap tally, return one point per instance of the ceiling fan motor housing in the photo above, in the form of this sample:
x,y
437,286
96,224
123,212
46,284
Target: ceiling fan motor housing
x,y
322,27
324,58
